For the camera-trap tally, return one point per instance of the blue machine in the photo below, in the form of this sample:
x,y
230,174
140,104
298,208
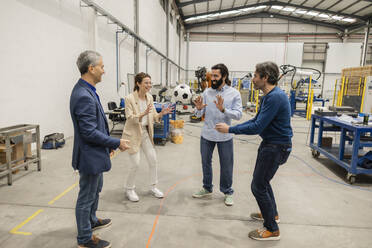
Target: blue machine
x,y
302,98
162,130
295,94
356,135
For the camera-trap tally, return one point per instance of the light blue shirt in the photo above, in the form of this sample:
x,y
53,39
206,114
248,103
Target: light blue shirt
x,y
233,110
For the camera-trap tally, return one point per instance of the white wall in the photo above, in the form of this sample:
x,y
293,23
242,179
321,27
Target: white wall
x,y
241,56
294,53
152,23
339,56
343,55
40,42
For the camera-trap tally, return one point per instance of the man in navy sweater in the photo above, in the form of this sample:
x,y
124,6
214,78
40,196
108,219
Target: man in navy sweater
x,y
273,124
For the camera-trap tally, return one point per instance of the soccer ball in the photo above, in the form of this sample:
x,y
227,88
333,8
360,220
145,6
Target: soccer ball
x,y
182,93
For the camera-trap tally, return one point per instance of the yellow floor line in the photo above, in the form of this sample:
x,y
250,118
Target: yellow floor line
x,y
15,229
63,193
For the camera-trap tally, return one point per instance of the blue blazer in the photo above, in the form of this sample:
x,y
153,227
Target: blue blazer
x,y
92,142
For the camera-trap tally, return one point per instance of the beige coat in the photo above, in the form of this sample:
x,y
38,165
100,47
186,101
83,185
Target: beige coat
x,y
133,128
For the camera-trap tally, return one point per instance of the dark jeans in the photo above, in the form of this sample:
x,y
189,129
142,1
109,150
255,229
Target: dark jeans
x,y
269,158
226,154
86,205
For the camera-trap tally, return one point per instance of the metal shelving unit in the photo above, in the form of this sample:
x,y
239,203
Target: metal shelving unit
x,y
25,134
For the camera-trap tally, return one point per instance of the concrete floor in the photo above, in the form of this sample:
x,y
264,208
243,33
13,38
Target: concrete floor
x,y
316,206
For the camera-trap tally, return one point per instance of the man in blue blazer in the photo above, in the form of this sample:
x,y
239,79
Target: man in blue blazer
x,y
92,148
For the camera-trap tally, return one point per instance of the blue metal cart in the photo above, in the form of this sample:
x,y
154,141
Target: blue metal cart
x,y
162,130
354,134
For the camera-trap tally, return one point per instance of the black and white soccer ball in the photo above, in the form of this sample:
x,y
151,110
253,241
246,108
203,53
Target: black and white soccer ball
x,y
182,93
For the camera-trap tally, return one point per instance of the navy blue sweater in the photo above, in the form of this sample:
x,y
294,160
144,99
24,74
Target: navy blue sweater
x,y
273,120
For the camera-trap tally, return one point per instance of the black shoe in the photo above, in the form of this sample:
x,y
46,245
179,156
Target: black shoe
x,y
102,223
95,242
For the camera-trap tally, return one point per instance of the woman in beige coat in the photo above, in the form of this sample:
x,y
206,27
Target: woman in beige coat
x,y
139,130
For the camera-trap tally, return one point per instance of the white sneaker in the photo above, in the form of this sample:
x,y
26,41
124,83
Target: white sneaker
x,y
132,195
157,193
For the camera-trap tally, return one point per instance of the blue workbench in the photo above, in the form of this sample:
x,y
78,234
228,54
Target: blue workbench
x,y
348,132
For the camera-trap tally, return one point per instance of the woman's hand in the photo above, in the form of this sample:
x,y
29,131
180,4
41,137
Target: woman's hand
x,y
147,111
168,110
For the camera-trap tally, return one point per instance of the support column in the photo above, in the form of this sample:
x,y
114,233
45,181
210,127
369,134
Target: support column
x,y
187,56
365,44
179,55
167,43
136,43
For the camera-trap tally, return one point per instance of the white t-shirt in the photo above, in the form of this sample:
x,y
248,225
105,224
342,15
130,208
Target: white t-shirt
x,y
143,106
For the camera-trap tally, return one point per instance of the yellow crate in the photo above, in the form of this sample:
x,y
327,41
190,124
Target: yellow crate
x,y
177,123
177,139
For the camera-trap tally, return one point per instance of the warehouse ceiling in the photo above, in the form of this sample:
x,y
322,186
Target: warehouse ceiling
x,y
338,14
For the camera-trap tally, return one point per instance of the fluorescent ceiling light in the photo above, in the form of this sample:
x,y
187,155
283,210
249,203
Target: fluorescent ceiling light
x,y
349,20
324,16
312,13
276,7
288,9
300,11
337,17
246,9
229,12
261,7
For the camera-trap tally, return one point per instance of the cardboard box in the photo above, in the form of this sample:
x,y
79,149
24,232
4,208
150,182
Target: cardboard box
x,y
327,142
16,153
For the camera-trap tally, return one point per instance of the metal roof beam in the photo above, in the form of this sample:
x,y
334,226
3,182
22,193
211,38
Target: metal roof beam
x,y
125,28
277,3
264,15
179,9
183,4
356,28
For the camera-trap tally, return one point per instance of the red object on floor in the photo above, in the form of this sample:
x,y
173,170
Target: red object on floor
x,y
185,107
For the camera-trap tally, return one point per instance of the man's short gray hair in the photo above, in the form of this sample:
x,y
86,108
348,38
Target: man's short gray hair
x,y
86,59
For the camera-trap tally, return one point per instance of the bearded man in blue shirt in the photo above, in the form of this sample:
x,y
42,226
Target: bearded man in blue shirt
x,y
221,103
273,124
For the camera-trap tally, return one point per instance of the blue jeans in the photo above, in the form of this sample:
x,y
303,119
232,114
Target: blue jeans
x,y
226,154
269,158
86,205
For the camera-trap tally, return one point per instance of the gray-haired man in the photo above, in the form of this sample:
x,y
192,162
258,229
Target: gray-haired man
x,y
92,148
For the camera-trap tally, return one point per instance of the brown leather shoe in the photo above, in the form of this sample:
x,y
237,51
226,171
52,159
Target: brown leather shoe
x,y
264,234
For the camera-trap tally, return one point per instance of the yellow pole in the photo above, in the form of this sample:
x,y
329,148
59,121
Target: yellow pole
x,y
363,94
257,92
239,84
342,91
346,86
308,98
334,94
251,91
295,83
360,82
311,105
